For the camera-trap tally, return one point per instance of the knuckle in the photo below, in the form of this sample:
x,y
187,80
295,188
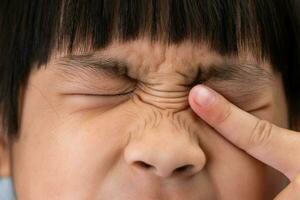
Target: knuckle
x,y
261,134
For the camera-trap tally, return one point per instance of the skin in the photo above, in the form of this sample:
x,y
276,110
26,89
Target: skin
x,y
146,145
261,139
4,159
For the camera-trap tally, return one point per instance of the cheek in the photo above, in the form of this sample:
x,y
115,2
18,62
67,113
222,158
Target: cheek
x,y
232,171
230,168
46,160
64,150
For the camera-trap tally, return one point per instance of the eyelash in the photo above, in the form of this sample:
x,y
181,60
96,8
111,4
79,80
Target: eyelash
x,y
265,106
102,95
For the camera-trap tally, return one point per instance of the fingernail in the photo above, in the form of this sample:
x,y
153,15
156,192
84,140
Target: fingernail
x,y
204,97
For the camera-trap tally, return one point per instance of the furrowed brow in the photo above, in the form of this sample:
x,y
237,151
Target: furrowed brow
x,y
101,64
236,73
242,83
223,73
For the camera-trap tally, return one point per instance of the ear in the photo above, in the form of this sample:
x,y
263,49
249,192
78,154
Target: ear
x,y
4,155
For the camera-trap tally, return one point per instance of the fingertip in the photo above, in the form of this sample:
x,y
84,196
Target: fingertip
x,y
202,96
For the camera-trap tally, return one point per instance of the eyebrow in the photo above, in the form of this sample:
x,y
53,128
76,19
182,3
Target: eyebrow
x,y
110,66
228,72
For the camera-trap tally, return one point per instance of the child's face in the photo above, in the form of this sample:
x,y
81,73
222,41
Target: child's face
x,y
147,144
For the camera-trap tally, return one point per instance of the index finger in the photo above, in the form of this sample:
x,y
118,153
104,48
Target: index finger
x,y
261,139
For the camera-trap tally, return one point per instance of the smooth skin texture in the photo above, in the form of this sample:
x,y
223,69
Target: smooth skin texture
x,y
275,146
79,140
4,158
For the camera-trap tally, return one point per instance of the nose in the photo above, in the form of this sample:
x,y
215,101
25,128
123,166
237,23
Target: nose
x,y
165,154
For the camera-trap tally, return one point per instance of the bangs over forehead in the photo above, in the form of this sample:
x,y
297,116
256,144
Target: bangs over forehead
x,y
31,30
225,25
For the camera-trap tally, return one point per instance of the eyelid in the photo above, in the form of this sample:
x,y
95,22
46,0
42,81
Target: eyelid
x,y
99,94
259,108
104,95
91,84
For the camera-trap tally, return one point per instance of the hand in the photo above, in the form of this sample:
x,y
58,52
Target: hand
x,y
272,145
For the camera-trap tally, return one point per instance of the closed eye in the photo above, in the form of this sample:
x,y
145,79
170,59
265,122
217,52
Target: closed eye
x,y
100,95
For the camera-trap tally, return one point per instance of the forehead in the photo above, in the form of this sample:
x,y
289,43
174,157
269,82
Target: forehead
x,y
155,53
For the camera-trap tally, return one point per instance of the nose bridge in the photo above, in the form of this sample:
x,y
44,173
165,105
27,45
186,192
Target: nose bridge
x,y
165,146
167,125
161,96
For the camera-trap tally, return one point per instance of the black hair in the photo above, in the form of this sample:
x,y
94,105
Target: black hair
x,y
32,30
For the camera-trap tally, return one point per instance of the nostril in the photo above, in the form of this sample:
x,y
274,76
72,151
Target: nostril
x,y
164,162
142,164
183,168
